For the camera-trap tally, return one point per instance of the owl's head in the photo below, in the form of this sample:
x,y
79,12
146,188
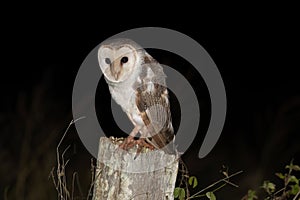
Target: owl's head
x,y
118,59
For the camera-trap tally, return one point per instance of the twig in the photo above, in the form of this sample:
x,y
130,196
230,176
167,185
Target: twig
x,y
230,183
70,124
274,194
92,179
215,183
73,183
93,183
203,195
76,177
64,152
218,188
298,194
184,177
63,192
51,175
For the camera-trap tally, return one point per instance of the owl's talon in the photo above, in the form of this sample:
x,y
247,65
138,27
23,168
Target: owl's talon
x,y
128,143
143,143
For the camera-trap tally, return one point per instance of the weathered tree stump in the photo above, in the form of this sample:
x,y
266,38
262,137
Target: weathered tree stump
x,y
119,176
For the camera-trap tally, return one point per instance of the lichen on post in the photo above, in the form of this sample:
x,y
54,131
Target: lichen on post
x,y
152,175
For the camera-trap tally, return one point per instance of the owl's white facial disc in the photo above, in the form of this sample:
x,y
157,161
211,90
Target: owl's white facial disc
x,y
117,63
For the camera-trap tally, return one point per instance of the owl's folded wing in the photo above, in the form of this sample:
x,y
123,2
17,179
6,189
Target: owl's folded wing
x,y
153,103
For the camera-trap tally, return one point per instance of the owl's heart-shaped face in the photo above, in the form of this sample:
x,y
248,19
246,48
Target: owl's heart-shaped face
x,y
117,63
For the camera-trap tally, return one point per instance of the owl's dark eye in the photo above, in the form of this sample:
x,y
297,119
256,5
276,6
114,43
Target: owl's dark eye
x,y
107,61
124,59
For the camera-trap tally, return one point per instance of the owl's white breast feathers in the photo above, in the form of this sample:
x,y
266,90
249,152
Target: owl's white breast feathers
x,y
124,93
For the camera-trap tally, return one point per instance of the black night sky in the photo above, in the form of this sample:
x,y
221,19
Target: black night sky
x,y
258,61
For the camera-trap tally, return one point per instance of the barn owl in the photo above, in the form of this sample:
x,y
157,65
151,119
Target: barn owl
x,y
137,83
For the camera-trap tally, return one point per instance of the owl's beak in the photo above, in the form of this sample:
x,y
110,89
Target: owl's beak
x,y
117,75
116,69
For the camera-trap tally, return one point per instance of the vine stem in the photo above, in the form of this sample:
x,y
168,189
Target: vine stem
x,y
213,184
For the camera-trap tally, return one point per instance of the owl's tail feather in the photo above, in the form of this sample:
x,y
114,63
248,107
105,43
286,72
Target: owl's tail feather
x,y
164,141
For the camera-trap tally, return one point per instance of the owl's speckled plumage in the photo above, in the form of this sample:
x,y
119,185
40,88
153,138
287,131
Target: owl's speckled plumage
x,y
138,84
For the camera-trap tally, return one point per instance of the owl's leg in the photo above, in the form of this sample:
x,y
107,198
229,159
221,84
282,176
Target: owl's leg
x,y
129,142
143,141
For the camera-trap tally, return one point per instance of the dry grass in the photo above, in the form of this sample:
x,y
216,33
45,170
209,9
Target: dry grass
x,y
59,177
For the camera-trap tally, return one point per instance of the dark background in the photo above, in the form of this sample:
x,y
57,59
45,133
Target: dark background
x,y
257,56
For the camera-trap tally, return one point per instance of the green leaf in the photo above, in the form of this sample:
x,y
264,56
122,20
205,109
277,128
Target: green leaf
x,y
294,189
182,194
179,193
269,187
280,175
176,192
293,179
211,195
296,167
251,195
193,181
293,167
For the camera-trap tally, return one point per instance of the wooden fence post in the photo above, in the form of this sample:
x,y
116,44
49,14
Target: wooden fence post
x,y
152,175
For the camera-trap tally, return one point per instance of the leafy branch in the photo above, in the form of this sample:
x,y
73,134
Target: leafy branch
x,y
209,191
289,190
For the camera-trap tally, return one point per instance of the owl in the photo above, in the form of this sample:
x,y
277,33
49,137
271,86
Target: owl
x,y
137,83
